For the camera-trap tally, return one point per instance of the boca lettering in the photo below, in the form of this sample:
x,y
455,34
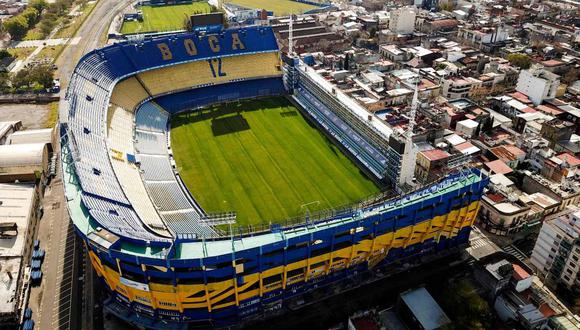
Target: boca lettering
x,y
214,44
191,47
236,42
165,51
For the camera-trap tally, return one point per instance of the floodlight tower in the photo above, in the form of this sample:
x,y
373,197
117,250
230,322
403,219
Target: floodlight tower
x,y
406,180
290,37
413,113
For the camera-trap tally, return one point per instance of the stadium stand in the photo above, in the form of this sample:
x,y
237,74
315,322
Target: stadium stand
x,y
199,97
169,196
151,118
364,152
214,71
128,94
155,167
151,143
120,140
160,180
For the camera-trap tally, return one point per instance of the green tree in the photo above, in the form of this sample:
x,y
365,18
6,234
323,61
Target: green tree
x,y
446,6
4,54
4,82
522,61
43,75
372,32
39,5
16,26
22,79
32,15
470,311
47,23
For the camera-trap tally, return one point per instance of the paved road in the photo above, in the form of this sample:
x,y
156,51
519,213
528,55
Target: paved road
x,y
57,303
90,33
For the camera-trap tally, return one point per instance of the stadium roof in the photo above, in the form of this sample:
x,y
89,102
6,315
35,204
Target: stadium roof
x,y
351,104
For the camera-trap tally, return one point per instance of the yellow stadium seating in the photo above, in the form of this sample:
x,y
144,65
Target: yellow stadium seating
x,y
225,69
128,93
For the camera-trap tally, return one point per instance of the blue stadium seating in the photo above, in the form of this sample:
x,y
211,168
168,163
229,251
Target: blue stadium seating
x,y
364,152
200,97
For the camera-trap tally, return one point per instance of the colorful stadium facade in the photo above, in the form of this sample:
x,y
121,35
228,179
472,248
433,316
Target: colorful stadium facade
x,y
158,257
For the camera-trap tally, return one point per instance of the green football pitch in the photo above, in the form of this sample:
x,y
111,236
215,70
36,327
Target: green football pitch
x,y
164,18
263,160
279,7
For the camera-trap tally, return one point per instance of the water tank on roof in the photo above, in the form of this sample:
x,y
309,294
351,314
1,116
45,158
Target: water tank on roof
x,y
309,59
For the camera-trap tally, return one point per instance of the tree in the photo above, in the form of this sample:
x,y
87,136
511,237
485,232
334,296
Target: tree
x,y
372,32
4,82
46,26
4,54
522,61
43,75
16,26
446,6
470,311
32,15
22,79
39,5
571,76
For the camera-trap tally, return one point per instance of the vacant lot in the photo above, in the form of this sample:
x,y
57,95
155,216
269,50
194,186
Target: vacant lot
x,y
164,18
263,160
32,115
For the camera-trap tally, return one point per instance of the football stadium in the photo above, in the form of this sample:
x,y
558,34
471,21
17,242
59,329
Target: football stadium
x,y
214,180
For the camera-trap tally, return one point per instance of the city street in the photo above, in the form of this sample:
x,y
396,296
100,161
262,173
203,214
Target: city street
x,y
58,301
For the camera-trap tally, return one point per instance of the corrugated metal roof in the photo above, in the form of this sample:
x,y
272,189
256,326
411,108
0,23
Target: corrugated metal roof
x,y
425,309
31,136
21,154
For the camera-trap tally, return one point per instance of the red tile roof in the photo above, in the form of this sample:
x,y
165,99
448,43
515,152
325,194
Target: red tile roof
x,y
570,159
515,150
546,310
528,110
463,146
520,273
520,97
498,166
550,63
445,23
435,154
507,152
497,198
549,110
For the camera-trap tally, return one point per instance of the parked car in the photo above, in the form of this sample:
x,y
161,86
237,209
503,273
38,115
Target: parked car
x,y
38,254
27,313
28,325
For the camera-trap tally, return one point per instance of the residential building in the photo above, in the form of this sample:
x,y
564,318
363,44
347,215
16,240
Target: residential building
x,y
18,224
556,255
538,84
458,87
402,20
